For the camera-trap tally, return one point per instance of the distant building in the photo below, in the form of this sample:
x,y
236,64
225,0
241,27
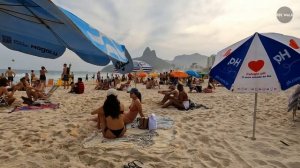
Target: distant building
x,y
210,61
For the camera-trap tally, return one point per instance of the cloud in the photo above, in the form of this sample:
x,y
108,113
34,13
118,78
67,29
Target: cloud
x,y
175,27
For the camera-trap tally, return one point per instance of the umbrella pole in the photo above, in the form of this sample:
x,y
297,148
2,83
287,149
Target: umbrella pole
x,y
254,117
135,80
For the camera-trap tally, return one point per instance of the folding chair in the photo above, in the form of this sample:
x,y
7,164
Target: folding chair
x,y
50,83
51,91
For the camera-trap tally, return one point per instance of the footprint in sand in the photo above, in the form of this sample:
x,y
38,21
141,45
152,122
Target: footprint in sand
x,y
260,162
62,158
87,159
277,164
293,164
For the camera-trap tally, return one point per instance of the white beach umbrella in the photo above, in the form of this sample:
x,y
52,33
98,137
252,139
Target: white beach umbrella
x,y
261,63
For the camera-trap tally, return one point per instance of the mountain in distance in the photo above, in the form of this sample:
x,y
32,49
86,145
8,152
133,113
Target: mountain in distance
x,y
149,56
194,61
158,64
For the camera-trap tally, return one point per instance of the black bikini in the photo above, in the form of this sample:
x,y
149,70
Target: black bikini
x,y
117,133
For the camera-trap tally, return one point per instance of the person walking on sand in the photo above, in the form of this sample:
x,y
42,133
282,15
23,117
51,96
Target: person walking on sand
x,y
65,76
10,74
86,77
43,72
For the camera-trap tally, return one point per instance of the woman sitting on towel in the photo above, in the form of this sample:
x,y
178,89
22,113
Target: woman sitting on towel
x,y
182,102
135,108
110,117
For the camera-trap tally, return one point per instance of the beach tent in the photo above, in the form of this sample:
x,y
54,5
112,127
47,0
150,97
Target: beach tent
x,y
261,63
40,28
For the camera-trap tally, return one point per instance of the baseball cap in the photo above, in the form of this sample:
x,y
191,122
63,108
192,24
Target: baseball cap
x,y
112,92
134,90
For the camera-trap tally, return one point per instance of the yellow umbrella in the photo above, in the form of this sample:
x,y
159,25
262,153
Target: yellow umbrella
x,y
154,75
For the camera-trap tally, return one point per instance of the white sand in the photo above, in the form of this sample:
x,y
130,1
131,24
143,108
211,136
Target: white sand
x,y
216,137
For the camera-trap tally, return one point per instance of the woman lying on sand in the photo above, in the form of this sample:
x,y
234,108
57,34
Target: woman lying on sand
x,y
110,117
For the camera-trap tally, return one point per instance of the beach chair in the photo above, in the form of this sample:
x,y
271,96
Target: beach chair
x,y
50,82
51,91
3,101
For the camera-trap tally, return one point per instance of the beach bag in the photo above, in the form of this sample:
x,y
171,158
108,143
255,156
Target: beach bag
x,y
143,122
152,122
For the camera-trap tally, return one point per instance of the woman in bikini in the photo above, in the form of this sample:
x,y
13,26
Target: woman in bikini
x,y
182,102
135,108
110,117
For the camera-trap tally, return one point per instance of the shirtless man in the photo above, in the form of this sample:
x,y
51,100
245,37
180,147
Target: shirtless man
x,y
36,92
10,74
3,91
65,76
171,93
181,102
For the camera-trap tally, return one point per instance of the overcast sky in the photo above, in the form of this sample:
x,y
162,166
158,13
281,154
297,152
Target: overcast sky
x,y
170,27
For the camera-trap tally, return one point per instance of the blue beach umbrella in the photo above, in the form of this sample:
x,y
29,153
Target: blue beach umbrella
x,y
261,63
40,28
193,73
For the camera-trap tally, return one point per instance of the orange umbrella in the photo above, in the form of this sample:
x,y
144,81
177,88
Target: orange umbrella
x,y
179,74
141,74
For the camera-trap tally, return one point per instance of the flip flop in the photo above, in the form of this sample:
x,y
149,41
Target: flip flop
x,y
133,164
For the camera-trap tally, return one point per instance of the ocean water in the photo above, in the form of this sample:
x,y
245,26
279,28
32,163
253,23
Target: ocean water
x,y
56,75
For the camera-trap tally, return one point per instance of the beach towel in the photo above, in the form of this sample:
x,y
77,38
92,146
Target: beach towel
x,y
135,137
36,107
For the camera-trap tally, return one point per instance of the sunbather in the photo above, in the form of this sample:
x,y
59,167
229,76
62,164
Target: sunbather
x,y
110,117
124,85
135,108
37,91
4,92
182,102
171,93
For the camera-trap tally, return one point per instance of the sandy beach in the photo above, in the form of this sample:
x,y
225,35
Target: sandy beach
x,y
216,137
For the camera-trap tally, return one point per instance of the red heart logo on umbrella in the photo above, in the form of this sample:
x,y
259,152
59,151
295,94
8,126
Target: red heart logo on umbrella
x,y
256,65
294,44
227,53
